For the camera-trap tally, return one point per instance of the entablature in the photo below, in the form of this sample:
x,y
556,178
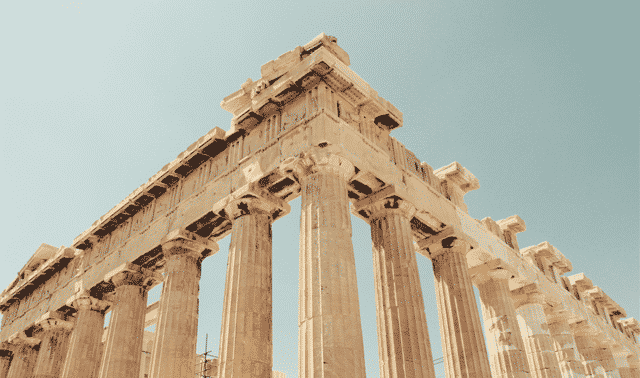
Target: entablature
x,y
26,283
456,181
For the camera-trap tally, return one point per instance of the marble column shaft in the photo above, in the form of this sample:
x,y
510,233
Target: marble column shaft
x,y
176,333
330,332
507,355
463,346
403,337
24,357
85,344
588,350
122,355
246,346
605,356
565,347
535,334
5,362
53,347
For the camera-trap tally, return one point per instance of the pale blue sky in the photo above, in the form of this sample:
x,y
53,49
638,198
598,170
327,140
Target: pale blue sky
x,y
539,100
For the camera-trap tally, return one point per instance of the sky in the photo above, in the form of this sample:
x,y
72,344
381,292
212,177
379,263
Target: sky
x,y
538,99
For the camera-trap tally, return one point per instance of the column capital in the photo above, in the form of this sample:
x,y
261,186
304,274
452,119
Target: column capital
x,y
450,239
496,269
183,242
53,320
251,199
132,274
528,294
321,160
20,339
84,301
389,198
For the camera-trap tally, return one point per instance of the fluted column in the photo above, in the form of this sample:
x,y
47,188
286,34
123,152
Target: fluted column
x,y
122,350
174,348
24,355
588,350
85,344
404,347
633,371
463,346
54,345
5,362
246,347
564,345
605,356
330,333
535,332
507,355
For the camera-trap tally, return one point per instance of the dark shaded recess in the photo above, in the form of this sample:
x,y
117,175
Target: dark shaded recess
x,y
268,180
107,228
203,221
364,214
184,170
132,209
197,160
421,228
144,200
276,214
387,121
150,258
214,148
279,186
207,229
288,94
101,288
362,188
121,217
353,195
222,230
5,353
448,242
357,169
157,190
274,80
235,136
170,180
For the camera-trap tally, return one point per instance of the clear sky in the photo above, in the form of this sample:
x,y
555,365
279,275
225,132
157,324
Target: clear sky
x,y
538,99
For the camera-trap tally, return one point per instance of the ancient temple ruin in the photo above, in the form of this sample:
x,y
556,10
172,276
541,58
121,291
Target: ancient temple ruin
x,y
309,127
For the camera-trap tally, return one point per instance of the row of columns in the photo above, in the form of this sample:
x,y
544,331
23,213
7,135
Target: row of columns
x,y
523,339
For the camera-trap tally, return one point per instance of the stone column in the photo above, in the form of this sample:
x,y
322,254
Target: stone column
x,y
330,333
587,348
507,355
564,345
5,361
633,371
463,346
24,355
605,356
83,357
54,345
174,348
403,337
246,348
122,349
535,332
